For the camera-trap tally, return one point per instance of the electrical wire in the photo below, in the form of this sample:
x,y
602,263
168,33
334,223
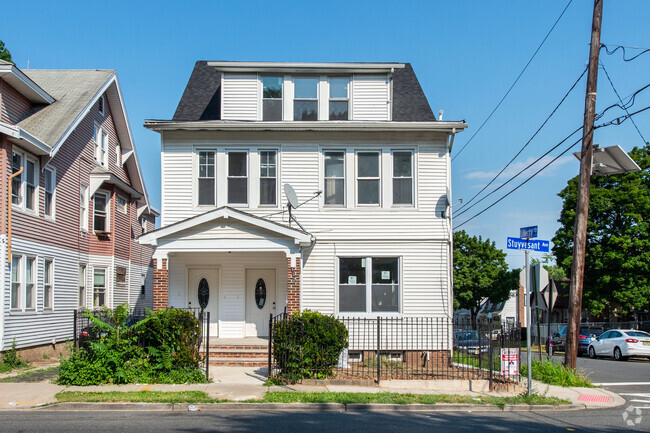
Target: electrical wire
x,y
515,82
619,120
622,48
528,142
621,101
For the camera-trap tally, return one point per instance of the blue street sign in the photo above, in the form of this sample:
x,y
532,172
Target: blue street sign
x,y
524,244
528,232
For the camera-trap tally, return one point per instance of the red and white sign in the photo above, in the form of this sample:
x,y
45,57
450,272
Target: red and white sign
x,y
510,361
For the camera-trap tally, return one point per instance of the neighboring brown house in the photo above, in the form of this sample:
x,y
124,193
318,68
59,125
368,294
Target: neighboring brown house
x,y
68,231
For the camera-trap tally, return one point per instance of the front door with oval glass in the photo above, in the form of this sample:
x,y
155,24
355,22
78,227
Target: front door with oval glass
x,y
260,301
203,292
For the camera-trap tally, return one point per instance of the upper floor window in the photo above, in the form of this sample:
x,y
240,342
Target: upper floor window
x,y
268,177
368,178
118,155
237,178
305,100
339,98
101,213
24,186
50,187
272,97
207,178
334,178
100,105
16,184
402,178
31,180
122,204
101,146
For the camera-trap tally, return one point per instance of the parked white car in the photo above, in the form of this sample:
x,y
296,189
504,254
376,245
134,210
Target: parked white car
x,y
621,344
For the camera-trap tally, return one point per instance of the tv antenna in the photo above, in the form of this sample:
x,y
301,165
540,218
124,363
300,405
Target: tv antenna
x,y
292,203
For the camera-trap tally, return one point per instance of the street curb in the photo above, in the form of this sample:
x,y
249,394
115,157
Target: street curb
x,y
438,407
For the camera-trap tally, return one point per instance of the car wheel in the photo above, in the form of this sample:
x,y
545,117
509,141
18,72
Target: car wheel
x,y
618,355
592,353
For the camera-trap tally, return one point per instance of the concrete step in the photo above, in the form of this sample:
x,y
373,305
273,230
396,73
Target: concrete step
x,y
238,362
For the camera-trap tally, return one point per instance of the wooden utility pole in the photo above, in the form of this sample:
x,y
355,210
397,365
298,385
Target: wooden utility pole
x,y
582,207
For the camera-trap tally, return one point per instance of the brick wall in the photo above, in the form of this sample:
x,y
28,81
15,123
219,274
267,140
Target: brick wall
x,y
293,286
160,285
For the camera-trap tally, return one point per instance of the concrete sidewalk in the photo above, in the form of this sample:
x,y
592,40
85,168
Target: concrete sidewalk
x,y
247,383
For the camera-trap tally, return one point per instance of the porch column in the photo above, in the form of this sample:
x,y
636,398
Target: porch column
x,y
160,284
293,284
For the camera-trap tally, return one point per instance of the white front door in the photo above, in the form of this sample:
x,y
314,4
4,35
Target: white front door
x,y
260,301
203,288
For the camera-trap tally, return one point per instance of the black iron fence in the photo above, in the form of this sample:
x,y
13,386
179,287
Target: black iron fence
x,y
384,348
85,331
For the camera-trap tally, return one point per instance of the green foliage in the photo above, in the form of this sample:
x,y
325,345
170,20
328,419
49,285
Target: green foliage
x,y
555,272
617,261
11,358
555,374
4,53
480,272
308,344
162,348
134,396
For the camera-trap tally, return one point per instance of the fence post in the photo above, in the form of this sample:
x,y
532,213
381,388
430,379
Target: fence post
x,y
378,349
480,348
268,371
207,349
490,350
76,341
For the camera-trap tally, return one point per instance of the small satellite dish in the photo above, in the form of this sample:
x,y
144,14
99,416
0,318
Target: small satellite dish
x,y
292,198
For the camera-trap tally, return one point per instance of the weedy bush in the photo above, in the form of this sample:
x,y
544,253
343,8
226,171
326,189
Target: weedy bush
x,y
162,348
308,344
555,374
11,359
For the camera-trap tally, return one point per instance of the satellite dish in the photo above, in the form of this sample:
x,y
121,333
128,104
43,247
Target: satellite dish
x,y
292,198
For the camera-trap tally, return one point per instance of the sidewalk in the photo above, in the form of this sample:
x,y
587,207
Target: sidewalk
x,y
246,383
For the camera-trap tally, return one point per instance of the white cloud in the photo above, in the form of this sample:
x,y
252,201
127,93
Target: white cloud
x,y
516,167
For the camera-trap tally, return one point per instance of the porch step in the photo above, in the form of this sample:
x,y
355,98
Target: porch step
x,y
238,362
262,353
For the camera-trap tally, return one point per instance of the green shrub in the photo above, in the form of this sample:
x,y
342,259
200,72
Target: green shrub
x,y
555,374
308,344
11,359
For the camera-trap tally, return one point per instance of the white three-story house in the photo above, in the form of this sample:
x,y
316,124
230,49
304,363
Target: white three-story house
x,y
370,167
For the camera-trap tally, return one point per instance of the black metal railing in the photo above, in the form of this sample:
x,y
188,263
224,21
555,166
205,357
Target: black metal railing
x,y
85,331
383,348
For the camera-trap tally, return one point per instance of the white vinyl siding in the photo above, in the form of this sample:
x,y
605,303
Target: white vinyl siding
x,y
240,96
370,97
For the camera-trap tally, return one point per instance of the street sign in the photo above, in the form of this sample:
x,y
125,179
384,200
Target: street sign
x,y
528,232
525,244
510,361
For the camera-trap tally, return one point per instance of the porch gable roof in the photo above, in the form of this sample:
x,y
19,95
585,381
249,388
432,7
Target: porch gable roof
x,y
225,212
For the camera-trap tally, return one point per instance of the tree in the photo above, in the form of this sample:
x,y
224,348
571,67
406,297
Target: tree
x,y
555,272
617,261
4,52
480,272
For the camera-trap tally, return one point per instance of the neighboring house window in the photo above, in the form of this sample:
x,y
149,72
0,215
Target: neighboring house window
x,y
305,100
30,274
143,292
99,287
334,178
339,98
120,275
121,204
16,184
237,178
84,207
402,178
118,155
48,284
368,180
50,187
31,180
206,178
101,214
16,282
272,98
101,146
100,105
268,177
143,224
369,285
82,286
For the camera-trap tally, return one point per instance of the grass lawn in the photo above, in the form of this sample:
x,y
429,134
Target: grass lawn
x,y
556,374
471,359
134,397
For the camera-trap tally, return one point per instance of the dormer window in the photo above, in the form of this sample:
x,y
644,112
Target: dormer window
x,y
339,98
305,101
272,97
100,105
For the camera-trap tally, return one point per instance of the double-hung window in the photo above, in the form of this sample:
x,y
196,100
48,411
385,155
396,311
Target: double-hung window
x,y
334,177
48,284
101,146
82,286
339,98
207,178
30,279
268,177
16,282
272,97
305,99
402,178
122,204
237,178
31,180
16,184
83,207
50,186
368,178
99,287
101,212
369,285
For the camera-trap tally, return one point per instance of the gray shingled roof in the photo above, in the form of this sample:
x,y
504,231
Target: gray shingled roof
x,y
72,89
201,99
4,62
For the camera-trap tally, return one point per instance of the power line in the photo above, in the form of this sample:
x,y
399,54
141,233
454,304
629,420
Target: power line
x,y
621,101
622,48
617,121
515,82
528,142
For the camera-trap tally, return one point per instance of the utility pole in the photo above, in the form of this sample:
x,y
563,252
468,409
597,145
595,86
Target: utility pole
x,y
582,207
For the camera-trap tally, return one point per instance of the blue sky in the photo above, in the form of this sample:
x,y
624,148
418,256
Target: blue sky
x,y
466,55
